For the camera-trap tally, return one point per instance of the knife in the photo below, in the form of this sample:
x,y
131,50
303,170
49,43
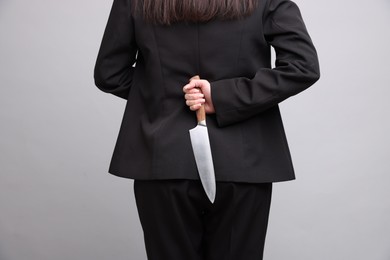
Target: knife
x,y
202,152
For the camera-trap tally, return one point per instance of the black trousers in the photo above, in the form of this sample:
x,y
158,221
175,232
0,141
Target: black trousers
x,y
180,223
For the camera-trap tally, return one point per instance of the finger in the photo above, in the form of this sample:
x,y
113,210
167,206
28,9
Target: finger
x,y
195,77
194,83
194,91
195,102
193,96
189,86
195,107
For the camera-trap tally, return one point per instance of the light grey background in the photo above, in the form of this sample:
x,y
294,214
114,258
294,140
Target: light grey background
x,y
58,131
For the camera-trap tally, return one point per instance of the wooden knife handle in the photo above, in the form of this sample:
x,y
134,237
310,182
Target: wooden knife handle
x,y
200,113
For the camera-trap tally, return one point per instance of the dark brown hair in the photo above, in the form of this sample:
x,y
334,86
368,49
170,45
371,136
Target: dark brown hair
x,y
171,11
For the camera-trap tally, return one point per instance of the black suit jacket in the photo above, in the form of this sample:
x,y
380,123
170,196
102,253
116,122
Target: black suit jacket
x,y
246,133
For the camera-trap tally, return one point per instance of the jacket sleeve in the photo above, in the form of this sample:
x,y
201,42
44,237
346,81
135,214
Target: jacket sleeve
x,y
113,71
296,68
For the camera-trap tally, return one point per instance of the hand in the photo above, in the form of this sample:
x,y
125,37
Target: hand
x,y
198,92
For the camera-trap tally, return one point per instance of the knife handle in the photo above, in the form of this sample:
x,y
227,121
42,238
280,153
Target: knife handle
x,y
200,113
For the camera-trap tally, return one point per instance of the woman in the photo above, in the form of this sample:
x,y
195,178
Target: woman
x,y
150,50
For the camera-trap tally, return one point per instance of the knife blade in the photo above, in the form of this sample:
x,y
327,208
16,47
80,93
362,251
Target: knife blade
x,y
202,152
